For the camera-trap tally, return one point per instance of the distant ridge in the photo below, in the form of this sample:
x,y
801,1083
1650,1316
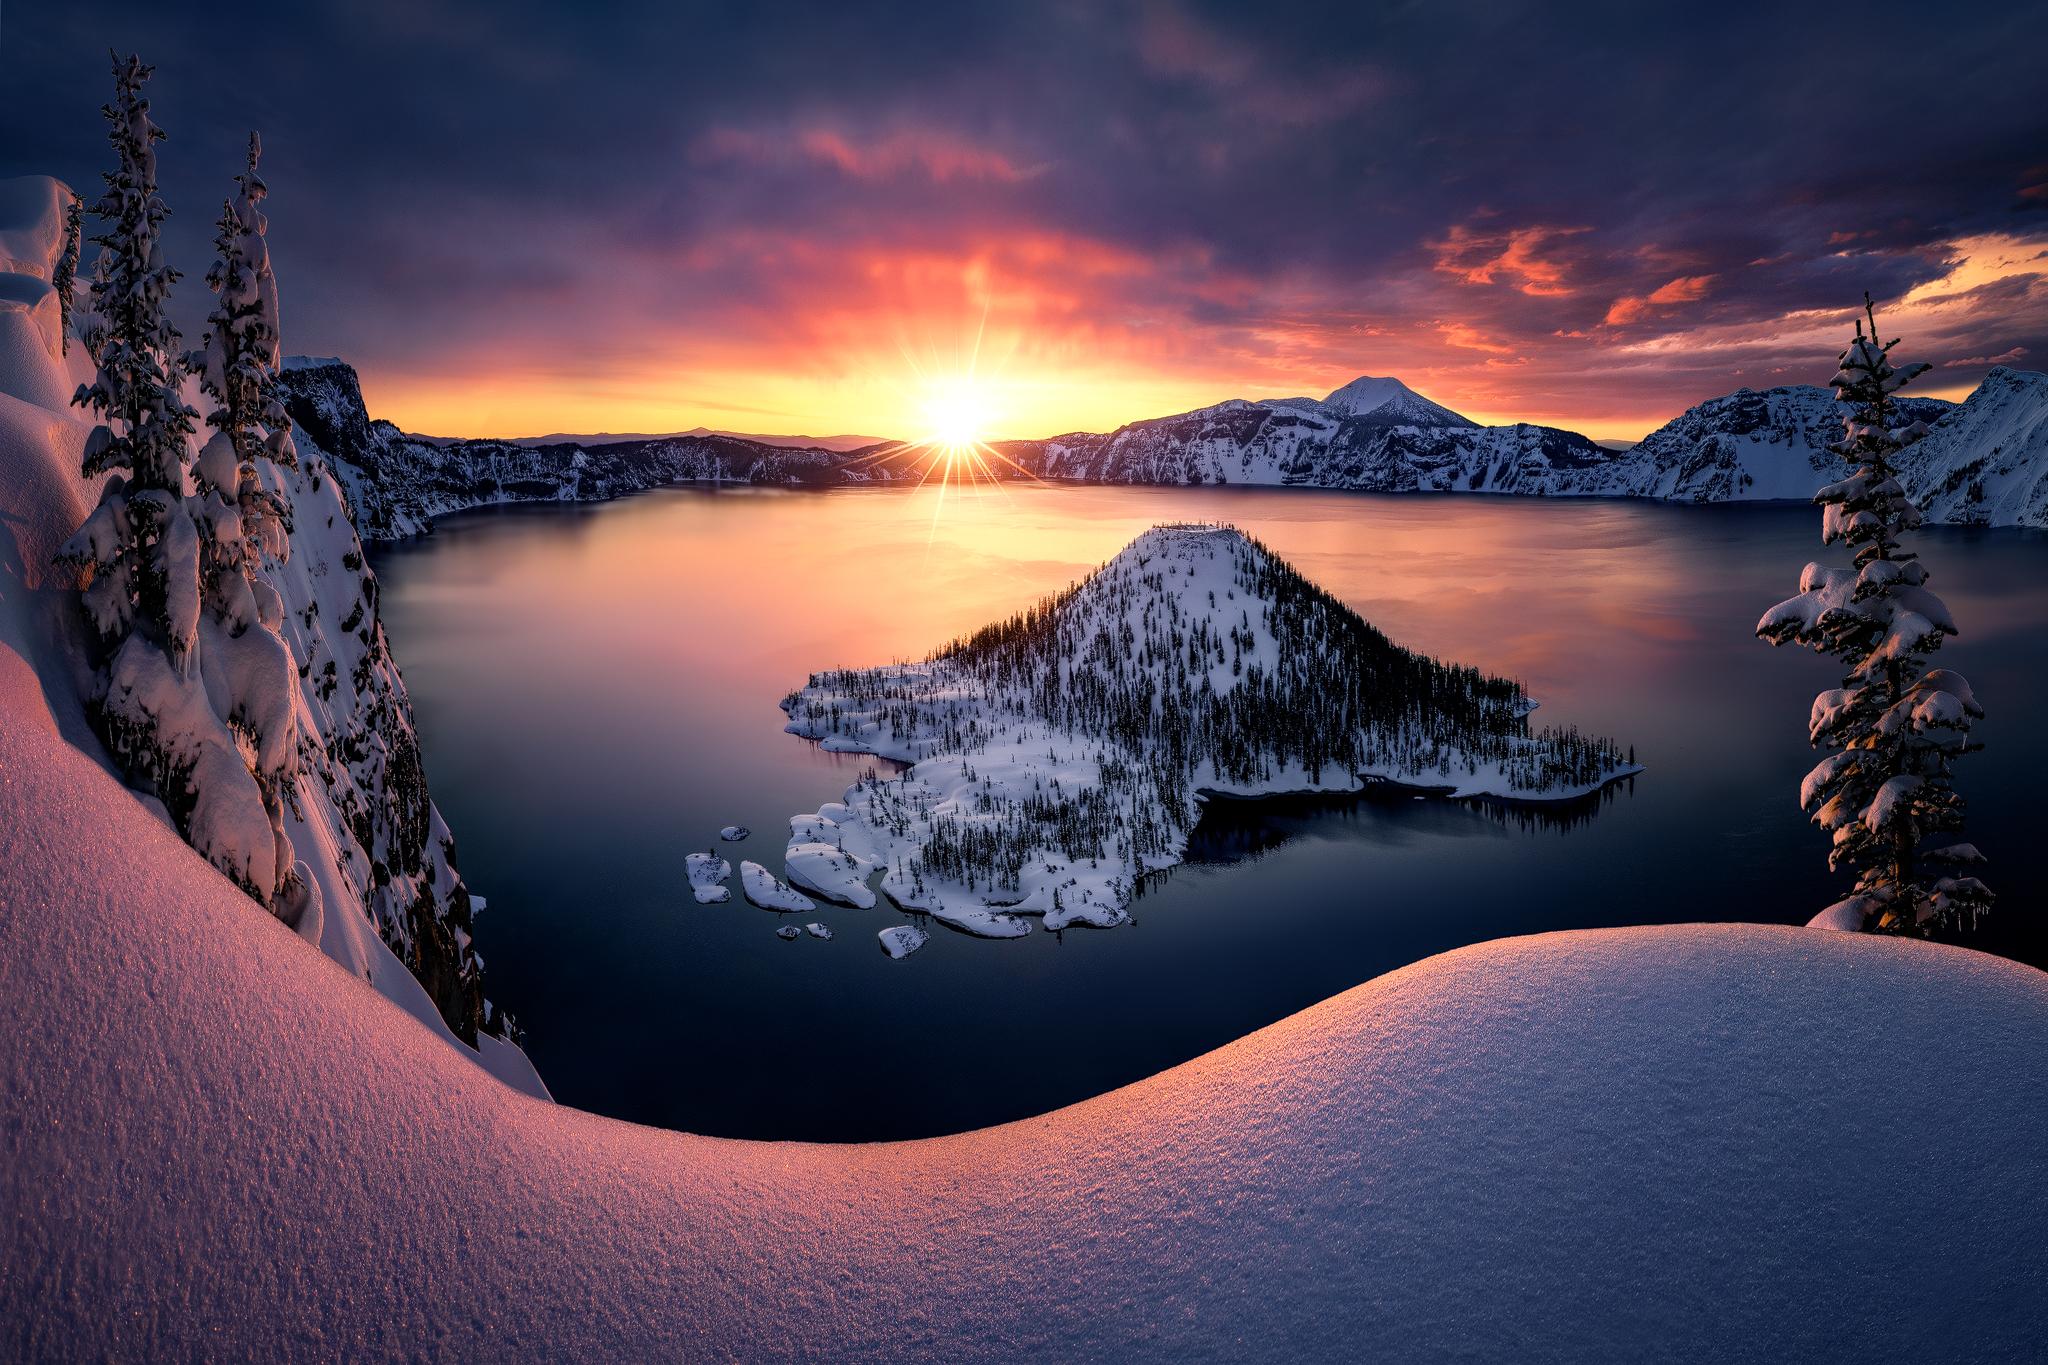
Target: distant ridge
x,y
842,442
1984,462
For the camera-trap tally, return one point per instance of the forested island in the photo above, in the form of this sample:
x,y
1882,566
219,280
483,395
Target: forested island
x,y
1061,753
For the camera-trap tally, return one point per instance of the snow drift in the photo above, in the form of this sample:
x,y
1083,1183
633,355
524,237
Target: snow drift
x,y
1658,1142
218,1141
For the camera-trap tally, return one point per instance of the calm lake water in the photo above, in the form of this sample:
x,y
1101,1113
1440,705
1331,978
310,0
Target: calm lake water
x,y
597,692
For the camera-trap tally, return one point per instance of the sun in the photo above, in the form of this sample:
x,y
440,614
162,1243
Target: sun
x,y
956,416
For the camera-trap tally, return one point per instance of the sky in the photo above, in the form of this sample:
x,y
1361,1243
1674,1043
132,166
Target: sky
x,y
517,218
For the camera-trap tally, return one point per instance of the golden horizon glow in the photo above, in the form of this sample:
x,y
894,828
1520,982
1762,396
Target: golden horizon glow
x,y
1031,338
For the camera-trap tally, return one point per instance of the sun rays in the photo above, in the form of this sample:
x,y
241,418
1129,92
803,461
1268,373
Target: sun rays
x,y
961,408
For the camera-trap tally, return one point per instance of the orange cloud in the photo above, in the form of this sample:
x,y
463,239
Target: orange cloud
x,y
1634,308
1521,256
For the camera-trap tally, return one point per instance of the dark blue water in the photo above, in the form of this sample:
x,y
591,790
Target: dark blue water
x,y
597,689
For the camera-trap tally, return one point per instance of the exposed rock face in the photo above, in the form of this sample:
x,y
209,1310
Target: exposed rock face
x,y
398,483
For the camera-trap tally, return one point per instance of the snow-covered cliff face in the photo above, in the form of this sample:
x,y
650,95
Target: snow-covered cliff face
x,y
1375,435
399,483
1750,445
1986,462
390,904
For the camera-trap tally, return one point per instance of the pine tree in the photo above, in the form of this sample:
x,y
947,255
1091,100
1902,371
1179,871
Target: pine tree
x,y
180,694
64,279
247,512
1894,728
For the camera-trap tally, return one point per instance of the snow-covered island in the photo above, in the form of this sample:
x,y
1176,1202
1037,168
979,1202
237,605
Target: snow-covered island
x,y
1061,754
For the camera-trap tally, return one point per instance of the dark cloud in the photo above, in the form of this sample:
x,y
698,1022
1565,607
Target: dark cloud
x,y
1501,187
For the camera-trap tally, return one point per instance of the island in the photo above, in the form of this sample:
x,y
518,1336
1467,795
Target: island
x,y
1057,756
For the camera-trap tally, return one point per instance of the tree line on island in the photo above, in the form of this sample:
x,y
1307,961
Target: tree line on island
x,y
1239,681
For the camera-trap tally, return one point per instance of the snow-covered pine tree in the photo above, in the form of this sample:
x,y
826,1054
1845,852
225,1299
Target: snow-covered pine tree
x,y
249,512
197,709
64,278
1894,727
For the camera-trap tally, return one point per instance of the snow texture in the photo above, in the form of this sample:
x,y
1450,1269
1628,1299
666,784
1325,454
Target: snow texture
x,y
1595,1146
708,872
764,890
901,940
734,833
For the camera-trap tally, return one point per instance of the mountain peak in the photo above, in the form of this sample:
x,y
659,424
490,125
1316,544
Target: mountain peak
x,y
1388,402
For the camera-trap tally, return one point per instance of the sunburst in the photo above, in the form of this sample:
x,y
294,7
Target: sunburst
x,y
960,410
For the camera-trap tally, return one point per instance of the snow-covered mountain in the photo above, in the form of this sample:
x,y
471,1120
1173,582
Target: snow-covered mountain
x,y
1325,445
1060,754
1986,462
1748,446
384,897
1389,402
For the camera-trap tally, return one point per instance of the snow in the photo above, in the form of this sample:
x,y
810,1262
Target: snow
x,y
901,940
789,933
708,872
816,861
734,833
1578,1146
1389,400
764,890
219,1142
816,930
361,777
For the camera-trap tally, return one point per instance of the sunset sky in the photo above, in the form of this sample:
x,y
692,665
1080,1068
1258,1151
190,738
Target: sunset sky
x,y
795,219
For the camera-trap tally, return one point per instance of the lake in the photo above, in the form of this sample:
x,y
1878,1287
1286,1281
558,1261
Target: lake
x,y
597,689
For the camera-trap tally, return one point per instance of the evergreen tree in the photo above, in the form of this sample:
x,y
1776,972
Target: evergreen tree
x,y
181,695
64,279
1894,728
246,510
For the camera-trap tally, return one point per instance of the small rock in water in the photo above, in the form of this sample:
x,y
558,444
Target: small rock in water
x,y
788,932
818,931
732,833
901,940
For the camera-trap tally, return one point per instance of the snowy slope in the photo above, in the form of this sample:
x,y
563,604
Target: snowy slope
x,y
1607,1146
1751,445
1389,402
1986,462
389,895
1061,754
1292,441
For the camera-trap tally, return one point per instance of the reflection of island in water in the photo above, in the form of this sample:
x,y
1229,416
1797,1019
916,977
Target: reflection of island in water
x,y
1234,828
